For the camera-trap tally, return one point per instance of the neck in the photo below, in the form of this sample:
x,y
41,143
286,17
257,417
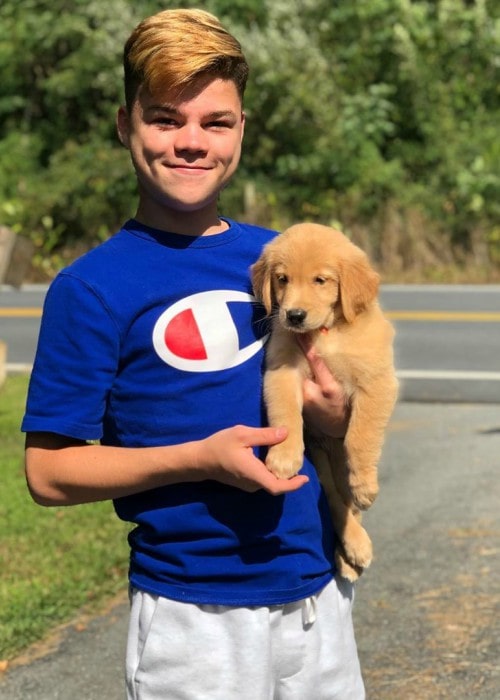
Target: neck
x,y
205,222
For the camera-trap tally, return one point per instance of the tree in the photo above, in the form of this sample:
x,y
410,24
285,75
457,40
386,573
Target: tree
x,y
359,108
381,115
64,176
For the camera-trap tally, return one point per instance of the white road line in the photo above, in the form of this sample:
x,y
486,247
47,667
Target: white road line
x,y
449,374
493,288
476,376
18,367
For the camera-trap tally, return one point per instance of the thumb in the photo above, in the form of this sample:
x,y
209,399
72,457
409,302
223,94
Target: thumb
x,y
256,437
311,390
321,373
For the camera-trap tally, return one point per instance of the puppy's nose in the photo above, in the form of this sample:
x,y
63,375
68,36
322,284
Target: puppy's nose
x,y
296,317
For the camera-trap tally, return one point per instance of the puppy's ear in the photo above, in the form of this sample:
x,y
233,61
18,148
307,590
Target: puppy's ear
x,y
359,285
261,281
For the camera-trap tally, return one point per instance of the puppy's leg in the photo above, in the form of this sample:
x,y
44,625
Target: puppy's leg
x,y
356,550
364,439
283,396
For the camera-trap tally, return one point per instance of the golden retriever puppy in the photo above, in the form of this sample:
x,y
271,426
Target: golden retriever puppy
x,y
312,279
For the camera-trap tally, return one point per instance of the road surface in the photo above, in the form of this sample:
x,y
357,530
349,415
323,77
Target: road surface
x,y
447,337
427,613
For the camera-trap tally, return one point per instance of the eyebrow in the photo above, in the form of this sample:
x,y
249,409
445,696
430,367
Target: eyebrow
x,y
171,109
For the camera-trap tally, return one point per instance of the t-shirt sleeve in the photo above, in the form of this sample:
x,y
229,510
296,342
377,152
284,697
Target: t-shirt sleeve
x,y
75,363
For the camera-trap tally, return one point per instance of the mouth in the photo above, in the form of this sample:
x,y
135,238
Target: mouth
x,y
190,169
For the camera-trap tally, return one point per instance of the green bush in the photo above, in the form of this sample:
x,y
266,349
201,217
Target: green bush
x,y
355,110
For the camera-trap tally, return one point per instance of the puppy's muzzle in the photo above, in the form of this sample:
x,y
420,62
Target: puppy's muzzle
x,y
296,317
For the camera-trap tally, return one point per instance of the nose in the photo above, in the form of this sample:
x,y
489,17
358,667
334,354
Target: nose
x,y
296,317
191,138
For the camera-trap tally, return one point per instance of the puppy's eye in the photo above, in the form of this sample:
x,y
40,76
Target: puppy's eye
x,y
320,280
282,280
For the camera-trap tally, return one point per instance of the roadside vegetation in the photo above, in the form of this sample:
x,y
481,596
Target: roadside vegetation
x,y
379,116
54,562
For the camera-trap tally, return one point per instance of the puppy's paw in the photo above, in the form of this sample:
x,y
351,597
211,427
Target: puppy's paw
x,y
284,461
363,491
344,568
358,548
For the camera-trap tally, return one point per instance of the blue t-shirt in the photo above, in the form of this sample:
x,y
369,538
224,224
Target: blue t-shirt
x,y
153,339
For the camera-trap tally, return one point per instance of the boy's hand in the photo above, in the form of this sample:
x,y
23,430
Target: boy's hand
x,y
228,457
325,405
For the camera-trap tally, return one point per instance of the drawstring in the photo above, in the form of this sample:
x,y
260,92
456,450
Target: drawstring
x,y
309,611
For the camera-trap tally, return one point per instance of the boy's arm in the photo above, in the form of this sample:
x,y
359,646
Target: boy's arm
x,y
65,471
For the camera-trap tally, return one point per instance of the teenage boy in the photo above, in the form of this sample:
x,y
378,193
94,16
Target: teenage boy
x,y
152,344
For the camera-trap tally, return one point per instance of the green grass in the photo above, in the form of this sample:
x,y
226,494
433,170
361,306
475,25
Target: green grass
x,y
53,561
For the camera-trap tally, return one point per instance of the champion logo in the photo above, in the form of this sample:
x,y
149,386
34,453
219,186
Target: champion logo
x,y
199,333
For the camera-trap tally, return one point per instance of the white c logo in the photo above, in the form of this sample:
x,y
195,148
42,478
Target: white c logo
x,y
198,333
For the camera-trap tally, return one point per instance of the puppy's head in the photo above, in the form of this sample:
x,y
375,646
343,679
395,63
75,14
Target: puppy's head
x,y
313,274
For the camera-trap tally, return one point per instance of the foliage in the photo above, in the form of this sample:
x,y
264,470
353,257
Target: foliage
x,y
373,114
53,561
377,104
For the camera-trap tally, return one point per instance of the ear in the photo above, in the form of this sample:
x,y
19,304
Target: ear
x,y
243,122
123,126
359,285
261,281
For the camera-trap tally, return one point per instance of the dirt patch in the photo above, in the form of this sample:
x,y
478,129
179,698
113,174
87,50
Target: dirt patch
x,y
450,647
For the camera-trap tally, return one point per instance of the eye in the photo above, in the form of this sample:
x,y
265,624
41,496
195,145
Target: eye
x,y
218,125
165,122
282,279
320,280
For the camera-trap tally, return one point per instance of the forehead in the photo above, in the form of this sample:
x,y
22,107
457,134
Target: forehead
x,y
204,95
302,257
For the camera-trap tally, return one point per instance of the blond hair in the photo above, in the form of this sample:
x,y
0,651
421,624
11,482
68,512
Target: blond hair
x,y
173,48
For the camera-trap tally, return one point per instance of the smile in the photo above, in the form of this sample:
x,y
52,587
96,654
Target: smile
x,y
189,169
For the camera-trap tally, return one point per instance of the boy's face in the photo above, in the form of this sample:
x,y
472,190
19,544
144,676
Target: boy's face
x,y
184,150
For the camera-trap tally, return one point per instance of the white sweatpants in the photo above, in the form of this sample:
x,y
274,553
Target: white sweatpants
x,y
299,651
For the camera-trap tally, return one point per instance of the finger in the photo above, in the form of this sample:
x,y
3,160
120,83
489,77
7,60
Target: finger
x,y
331,390
277,487
311,391
321,372
305,342
256,437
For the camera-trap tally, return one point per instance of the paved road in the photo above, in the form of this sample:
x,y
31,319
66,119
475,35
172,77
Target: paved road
x,y
427,613
447,341
447,337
